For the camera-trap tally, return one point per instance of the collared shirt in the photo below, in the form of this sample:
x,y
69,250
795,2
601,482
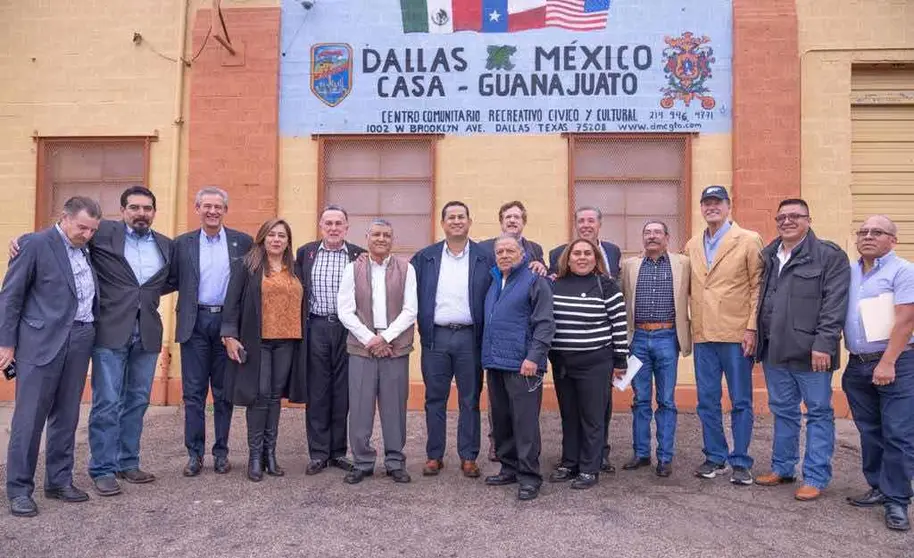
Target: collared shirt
x,y
890,274
143,255
82,276
654,292
214,268
325,278
784,255
712,242
452,298
347,306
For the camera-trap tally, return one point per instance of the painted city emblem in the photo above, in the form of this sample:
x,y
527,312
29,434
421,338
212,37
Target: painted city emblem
x,y
687,67
331,72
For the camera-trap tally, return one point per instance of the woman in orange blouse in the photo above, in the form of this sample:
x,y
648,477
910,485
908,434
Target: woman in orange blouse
x,y
262,332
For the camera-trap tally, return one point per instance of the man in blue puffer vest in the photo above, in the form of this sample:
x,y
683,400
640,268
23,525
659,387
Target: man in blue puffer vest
x,y
518,331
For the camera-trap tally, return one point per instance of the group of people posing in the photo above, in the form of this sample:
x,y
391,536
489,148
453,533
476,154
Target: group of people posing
x,y
332,326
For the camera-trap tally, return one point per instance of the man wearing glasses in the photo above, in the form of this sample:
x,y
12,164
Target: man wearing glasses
x,y
879,379
803,303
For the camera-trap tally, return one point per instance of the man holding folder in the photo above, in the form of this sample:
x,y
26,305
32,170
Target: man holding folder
x,y
879,379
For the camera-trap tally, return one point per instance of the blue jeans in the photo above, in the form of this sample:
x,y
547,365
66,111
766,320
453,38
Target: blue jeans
x,y
121,382
712,361
659,351
786,389
883,417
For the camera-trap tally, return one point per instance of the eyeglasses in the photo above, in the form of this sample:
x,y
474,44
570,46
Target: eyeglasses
x,y
875,233
780,218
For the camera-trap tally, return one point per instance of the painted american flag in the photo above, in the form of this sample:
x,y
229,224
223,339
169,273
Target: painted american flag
x,y
577,15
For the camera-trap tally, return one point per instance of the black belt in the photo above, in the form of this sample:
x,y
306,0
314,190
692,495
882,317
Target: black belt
x,y
454,327
82,323
209,308
332,318
875,357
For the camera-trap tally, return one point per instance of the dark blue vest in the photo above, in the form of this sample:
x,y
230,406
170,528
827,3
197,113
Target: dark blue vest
x,y
507,330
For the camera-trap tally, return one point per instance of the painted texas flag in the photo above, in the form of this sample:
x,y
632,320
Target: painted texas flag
x,y
502,16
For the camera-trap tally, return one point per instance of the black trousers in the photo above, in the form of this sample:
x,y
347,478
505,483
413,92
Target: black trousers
x,y
328,389
50,393
584,395
515,402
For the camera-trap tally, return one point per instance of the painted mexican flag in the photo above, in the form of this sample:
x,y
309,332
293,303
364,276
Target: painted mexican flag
x,y
502,16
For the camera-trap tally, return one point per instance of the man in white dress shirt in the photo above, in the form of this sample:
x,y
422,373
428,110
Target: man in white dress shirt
x,y
377,304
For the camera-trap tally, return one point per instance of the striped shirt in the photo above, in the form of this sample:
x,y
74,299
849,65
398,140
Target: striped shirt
x,y
82,277
589,315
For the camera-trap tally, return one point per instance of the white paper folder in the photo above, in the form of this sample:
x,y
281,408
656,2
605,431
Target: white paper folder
x,y
878,316
634,364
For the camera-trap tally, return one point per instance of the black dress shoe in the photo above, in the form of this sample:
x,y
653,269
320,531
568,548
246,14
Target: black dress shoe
x,y
221,465
316,467
194,466
637,463
355,476
66,494
107,485
23,506
342,463
664,469
896,517
607,467
399,475
873,498
136,476
562,474
527,492
584,481
500,479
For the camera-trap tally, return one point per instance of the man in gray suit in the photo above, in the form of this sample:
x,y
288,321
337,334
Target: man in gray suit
x,y
200,273
47,304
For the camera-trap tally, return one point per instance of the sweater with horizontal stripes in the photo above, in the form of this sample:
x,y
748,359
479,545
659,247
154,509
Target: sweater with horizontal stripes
x,y
590,316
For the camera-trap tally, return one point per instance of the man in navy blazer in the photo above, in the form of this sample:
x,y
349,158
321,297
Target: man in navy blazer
x,y
452,279
200,273
587,221
48,305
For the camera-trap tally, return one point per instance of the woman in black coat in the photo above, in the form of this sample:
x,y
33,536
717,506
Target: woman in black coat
x,y
263,334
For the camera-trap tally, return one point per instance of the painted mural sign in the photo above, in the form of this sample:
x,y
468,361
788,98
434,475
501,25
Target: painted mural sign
x,y
505,66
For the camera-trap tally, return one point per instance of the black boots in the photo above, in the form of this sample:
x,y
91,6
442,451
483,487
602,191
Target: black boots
x,y
256,419
269,464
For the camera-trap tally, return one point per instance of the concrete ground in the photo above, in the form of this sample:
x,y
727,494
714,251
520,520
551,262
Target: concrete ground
x,y
628,514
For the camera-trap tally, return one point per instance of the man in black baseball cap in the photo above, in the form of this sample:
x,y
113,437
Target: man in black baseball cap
x,y
717,192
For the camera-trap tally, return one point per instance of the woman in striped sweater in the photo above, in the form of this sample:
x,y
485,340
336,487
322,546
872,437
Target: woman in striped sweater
x,y
590,345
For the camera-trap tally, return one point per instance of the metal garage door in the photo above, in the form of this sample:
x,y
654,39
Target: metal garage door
x,y
882,155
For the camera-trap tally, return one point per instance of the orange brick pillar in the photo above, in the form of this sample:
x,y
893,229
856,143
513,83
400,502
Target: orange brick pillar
x,y
766,119
234,115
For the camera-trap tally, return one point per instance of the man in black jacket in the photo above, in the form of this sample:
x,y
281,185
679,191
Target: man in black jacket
x,y
801,314
320,266
200,273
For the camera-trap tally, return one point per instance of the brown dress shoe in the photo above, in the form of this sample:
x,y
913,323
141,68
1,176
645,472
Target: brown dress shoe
x,y
806,493
470,469
432,467
773,479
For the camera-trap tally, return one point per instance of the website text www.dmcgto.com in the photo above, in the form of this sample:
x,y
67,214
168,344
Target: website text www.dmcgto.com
x,y
660,127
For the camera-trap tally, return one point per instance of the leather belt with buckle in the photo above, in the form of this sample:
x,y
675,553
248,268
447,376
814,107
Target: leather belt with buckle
x,y
454,327
332,318
875,357
209,308
654,326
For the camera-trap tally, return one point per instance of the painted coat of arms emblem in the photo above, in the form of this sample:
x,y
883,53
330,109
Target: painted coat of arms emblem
x,y
687,67
331,72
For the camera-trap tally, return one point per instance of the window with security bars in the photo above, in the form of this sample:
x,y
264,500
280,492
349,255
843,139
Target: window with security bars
x,y
632,179
100,168
390,178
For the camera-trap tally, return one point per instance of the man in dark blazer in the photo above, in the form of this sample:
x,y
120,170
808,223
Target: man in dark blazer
x,y
512,216
320,266
48,305
452,279
200,273
132,263
587,221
